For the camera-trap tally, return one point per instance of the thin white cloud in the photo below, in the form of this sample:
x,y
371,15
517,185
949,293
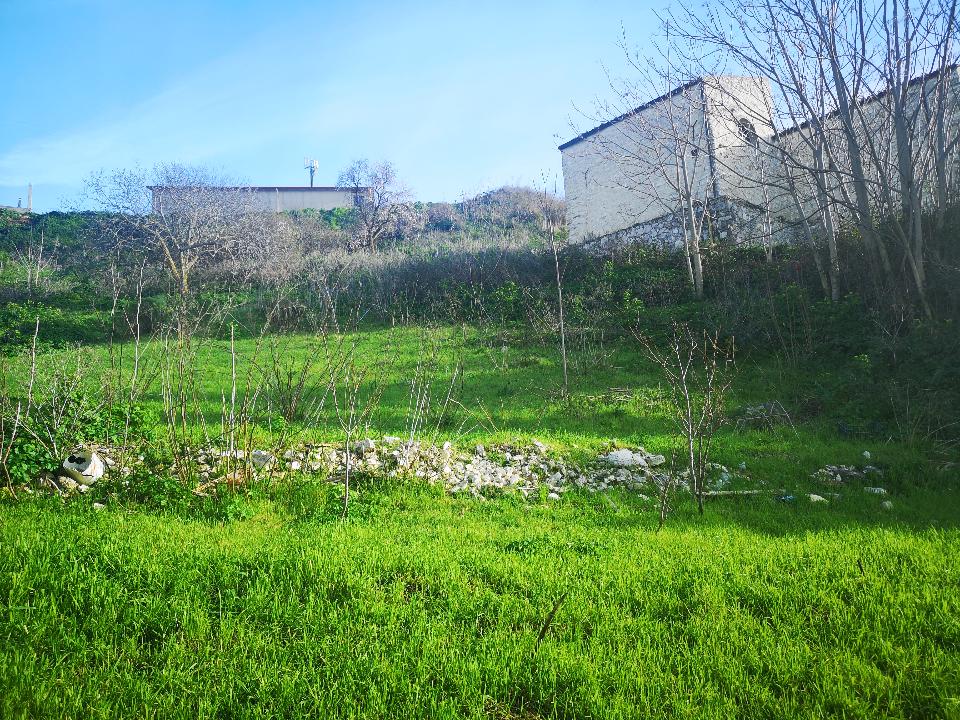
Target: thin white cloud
x,y
227,107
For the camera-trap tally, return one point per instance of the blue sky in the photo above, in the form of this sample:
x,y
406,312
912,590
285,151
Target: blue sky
x,y
461,97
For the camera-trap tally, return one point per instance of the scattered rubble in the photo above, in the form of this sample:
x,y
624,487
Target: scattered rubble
x,y
838,475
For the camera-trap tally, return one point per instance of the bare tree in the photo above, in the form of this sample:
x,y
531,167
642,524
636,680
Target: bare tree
x,y
382,205
188,217
552,222
866,95
36,260
351,377
661,153
698,370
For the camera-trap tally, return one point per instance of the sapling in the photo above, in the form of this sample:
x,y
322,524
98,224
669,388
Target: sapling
x,y
698,369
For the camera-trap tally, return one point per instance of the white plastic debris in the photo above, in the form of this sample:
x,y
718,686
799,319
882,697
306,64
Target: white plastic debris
x,y
87,463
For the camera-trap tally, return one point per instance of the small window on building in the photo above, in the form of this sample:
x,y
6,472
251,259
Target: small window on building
x,y
748,132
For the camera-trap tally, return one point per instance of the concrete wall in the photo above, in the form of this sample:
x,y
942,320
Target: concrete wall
x,y
871,122
617,187
287,199
280,199
733,104
614,178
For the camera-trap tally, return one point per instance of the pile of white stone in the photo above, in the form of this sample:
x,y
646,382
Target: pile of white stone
x,y
525,469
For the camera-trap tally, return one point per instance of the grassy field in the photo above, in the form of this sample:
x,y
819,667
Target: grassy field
x,y
425,605
507,387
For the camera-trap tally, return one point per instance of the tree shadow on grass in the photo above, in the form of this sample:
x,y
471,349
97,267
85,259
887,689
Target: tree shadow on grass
x,y
917,511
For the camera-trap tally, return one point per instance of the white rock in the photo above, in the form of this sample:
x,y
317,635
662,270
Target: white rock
x,y
818,499
875,490
655,460
99,506
295,465
887,505
866,454
624,458
262,459
553,496
87,463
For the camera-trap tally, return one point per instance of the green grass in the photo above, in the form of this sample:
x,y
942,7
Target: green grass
x,y
423,605
508,388
426,606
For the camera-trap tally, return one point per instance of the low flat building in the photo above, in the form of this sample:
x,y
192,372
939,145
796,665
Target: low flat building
x,y
279,198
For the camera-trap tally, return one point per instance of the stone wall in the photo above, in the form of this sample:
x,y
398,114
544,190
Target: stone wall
x,y
731,221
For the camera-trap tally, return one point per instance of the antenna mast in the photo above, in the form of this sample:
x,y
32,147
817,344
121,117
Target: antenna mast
x,y
312,166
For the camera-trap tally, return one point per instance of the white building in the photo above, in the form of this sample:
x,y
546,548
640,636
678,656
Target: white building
x,y
710,147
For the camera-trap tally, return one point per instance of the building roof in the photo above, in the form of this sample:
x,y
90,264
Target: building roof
x,y
270,188
868,99
641,108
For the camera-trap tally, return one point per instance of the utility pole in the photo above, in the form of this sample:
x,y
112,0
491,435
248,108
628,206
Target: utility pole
x,y
312,166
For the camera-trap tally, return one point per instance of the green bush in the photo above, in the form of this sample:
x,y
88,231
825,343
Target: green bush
x,y
58,327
